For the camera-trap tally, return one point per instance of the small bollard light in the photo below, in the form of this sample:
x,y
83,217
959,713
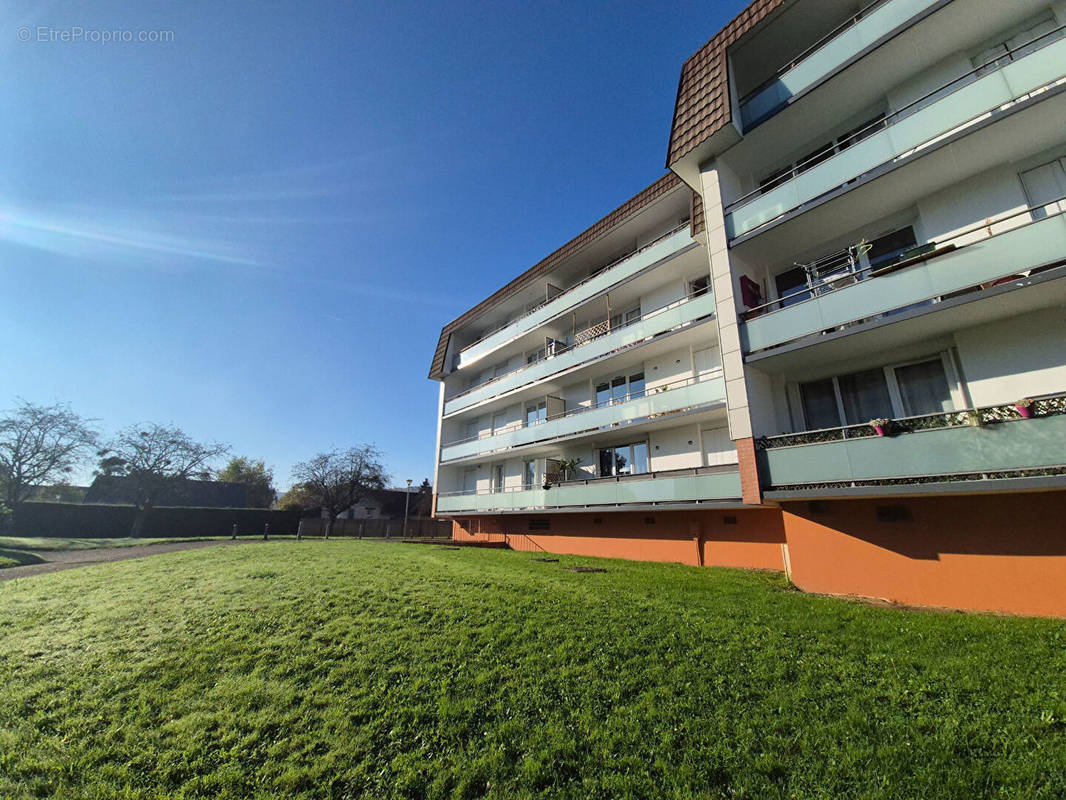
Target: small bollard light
x,y
234,536
300,531
266,531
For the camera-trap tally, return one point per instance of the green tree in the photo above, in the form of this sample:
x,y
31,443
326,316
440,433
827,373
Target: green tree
x,y
296,498
154,458
257,476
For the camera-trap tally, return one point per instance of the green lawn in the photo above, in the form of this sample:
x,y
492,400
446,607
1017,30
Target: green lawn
x,y
74,543
351,669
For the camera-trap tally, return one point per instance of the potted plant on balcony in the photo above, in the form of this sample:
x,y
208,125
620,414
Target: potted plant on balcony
x,y
880,425
568,468
1025,407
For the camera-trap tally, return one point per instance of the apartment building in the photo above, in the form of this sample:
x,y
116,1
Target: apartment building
x,y
832,341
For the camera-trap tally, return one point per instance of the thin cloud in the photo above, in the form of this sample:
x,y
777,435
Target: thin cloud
x,y
86,232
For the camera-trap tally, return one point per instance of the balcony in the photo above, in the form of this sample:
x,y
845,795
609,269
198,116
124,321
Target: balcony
x,y
968,260
667,246
662,401
978,97
610,342
873,24
984,443
677,486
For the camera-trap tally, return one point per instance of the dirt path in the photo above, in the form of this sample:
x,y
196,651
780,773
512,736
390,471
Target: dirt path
x,y
55,560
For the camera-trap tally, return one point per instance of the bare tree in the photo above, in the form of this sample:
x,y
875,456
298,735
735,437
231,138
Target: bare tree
x,y
154,458
341,478
40,445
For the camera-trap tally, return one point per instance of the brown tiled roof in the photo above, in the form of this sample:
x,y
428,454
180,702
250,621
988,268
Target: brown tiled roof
x,y
699,219
702,106
661,187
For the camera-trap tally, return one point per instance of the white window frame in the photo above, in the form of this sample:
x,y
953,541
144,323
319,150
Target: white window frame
x,y
951,375
498,477
537,479
536,406
630,445
629,373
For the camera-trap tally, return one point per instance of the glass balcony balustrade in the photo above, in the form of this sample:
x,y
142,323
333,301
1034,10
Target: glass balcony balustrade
x,y
631,409
997,249
666,246
972,99
612,340
676,486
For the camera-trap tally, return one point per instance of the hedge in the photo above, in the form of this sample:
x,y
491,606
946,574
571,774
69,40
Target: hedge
x,y
112,521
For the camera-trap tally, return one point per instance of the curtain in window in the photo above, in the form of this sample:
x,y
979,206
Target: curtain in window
x,y
865,396
820,405
923,388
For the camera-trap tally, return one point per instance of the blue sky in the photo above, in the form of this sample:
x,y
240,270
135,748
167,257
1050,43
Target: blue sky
x,y
255,231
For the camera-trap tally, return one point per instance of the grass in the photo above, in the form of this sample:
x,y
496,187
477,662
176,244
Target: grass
x,y
74,543
348,669
6,562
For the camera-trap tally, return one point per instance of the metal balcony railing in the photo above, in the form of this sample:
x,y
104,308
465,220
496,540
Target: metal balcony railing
x,y
850,22
1041,406
613,401
596,481
833,150
684,224
583,337
843,268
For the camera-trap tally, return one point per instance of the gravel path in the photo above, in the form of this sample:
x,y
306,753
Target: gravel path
x,y
55,560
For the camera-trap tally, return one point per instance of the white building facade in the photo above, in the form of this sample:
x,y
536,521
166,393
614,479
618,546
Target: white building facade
x,y
836,346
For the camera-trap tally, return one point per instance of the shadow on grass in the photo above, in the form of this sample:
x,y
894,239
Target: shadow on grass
x,y
20,557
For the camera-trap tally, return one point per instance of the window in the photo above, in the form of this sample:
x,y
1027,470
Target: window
x,y
626,317
822,153
473,429
497,477
1045,188
536,413
775,179
469,480
865,396
699,286
620,388
832,271
1025,41
923,388
901,390
533,356
499,422
792,286
529,474
626,459
820,407
856,135
888,248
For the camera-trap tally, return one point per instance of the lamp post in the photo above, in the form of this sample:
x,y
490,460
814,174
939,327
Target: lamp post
x,y
406,506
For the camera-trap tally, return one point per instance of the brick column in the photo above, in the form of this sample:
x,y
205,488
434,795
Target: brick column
x,y
750,491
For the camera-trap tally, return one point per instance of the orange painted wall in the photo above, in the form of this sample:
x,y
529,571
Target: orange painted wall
x,y
685,537
979,552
